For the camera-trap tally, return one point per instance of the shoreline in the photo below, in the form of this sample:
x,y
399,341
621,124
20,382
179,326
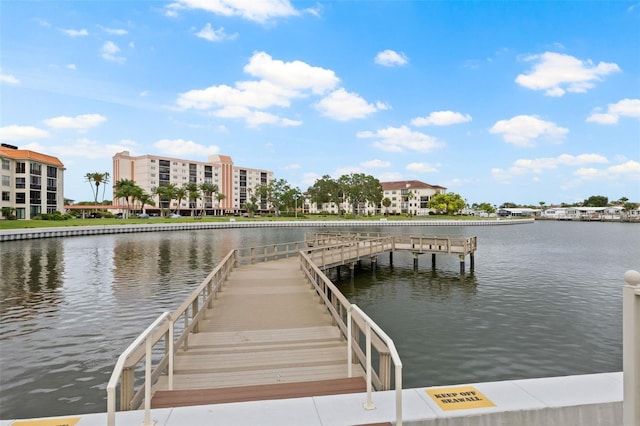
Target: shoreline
x,y
71,231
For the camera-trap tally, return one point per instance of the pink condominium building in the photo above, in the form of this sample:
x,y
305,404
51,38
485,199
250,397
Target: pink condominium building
x,y
152,171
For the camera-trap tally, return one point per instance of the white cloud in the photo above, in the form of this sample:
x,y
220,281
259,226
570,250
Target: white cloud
x,y
76,33
525,130
441,118
291,167
422,167
115,31
84,121
537,165
110,52
556,74
399,139
627,170
211,34
71,67
375,164
391,58
389,177
344,106
254,118
623,108
296,75
181,147
18,133
254,94
88,149
258,11
8,78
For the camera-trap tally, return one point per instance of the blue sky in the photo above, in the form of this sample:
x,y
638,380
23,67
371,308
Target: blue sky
x,y
498,101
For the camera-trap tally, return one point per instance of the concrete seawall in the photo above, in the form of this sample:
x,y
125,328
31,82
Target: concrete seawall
x,y
72,231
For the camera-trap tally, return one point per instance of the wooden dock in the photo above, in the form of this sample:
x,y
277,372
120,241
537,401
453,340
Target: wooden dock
x,y
268,323
265,334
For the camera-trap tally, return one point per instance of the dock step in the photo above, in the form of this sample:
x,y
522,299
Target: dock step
x,y
183,398
291,374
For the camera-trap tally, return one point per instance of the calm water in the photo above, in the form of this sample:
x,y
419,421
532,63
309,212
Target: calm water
x,y
544,300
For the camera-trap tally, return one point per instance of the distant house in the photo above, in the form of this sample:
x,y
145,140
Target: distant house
x,y
519,212
32,182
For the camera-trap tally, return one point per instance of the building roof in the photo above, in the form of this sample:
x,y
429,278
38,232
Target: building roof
x,y
25,154
407,184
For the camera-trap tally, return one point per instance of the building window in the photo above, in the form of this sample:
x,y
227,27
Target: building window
x,y
20,213
21,167
21,182
35,210
20,198
35,182
6,196
52,184
52,172
153,161
51,198
35,168
35,197
5,164
6,180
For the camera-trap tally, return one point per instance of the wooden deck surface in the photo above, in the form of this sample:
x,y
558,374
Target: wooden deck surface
x,y
266,327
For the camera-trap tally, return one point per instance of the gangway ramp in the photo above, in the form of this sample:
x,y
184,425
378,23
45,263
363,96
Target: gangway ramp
x,y
267,326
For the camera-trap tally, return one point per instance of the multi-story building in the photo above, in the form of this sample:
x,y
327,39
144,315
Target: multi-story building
x,y
406,196
151,171
409,196
32,183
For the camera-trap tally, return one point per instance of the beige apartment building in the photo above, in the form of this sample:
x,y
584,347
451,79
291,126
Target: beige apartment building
x,y
32,183
152,171
407,197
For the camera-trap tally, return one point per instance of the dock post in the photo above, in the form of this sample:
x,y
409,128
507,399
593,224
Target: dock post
x,y
472,262
631,348
374,262
415,260
461,264
391,258
352,269
433,261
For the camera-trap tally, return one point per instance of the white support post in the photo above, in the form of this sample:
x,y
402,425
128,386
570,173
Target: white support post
x,y
631,348
368,405
349,344
147,384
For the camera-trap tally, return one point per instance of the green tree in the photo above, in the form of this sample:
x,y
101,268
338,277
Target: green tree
x,y
145,199
508,205
273,194
448,203
207,189
220,197
325,190
181,194
596,201
359,188
95,180
487,207
165,194
126,188
193,194
386,202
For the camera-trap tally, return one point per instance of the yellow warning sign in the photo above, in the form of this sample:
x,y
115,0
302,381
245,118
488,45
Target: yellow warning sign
x,y
59,421
459,398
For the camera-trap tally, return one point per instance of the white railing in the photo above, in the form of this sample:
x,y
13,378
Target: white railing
x,y
631,348
371,325
148,337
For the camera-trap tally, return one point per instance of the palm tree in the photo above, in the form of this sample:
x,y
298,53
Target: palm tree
x,y
96,179
145,199
126,188
181,194
208,189
220,197
165,193
193,193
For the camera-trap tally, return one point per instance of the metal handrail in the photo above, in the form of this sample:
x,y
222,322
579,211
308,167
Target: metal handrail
x,y
371,325
146,336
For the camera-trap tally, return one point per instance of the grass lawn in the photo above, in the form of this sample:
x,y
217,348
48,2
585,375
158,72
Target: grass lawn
x,y
22,224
